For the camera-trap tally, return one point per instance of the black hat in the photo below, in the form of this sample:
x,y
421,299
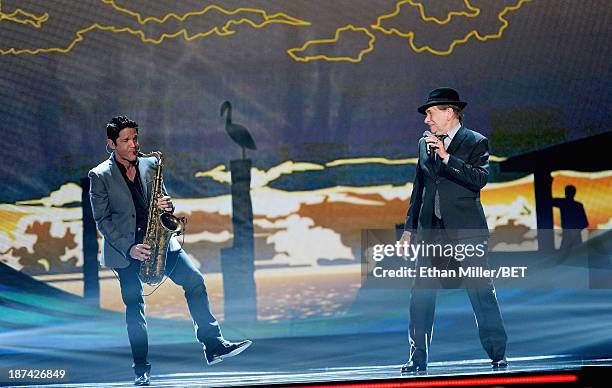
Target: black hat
x,y
442,96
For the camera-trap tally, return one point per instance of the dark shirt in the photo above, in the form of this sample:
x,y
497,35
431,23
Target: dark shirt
x,y
140,203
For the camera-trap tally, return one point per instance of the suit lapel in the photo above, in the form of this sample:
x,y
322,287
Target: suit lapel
x,y
457,140
118,176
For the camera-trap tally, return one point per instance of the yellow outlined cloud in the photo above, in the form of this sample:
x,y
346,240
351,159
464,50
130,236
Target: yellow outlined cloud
x,y
277,18
474,33
80,37
473,12
372,38
23,17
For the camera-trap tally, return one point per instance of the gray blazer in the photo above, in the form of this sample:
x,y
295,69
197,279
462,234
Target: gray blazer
x,y
113,209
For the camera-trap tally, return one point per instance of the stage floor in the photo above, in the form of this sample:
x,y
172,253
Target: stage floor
x,y
464,369
548,332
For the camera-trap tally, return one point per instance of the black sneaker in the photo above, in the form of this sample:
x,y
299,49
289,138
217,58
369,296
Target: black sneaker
x,y
412,367
500,364
225,350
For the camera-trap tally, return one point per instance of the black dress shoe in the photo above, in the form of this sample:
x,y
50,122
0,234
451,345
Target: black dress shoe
x,y
500,364
412,367
143,379
225,350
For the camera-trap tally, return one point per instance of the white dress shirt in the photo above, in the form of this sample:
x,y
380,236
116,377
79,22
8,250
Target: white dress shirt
x,y
451,134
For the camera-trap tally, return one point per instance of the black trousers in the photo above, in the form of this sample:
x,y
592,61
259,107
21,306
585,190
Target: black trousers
x,y
181,271
481,293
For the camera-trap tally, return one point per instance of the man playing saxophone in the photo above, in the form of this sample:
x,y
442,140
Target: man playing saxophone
x,y
120,194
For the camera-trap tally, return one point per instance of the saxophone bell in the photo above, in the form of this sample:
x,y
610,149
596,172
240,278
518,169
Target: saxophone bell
x,y
172,223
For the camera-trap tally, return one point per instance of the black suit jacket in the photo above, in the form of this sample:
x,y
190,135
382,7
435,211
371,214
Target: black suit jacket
x,y
458,184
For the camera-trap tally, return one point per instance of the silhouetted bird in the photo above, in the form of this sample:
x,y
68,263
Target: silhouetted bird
x,y
237,132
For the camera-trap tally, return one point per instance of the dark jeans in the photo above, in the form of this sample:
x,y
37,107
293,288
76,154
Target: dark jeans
x,y
484,303
181,271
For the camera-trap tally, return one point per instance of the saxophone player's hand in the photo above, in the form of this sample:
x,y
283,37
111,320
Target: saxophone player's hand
x,y
140,252
165,203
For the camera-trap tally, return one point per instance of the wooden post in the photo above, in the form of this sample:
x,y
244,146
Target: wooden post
x,y
238,261
91,282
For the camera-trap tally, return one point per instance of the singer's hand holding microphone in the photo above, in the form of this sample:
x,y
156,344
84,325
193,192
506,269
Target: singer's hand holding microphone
x,y
434,144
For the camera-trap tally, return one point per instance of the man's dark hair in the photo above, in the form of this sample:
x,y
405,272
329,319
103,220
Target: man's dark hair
x,y
570,191
117,124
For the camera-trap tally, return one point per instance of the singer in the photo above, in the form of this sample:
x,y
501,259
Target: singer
x,y
119,199
452,169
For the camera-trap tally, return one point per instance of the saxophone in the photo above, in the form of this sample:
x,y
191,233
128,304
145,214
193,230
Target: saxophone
x,y
161,226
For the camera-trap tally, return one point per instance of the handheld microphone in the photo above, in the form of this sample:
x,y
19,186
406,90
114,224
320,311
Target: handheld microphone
x,y
427,146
